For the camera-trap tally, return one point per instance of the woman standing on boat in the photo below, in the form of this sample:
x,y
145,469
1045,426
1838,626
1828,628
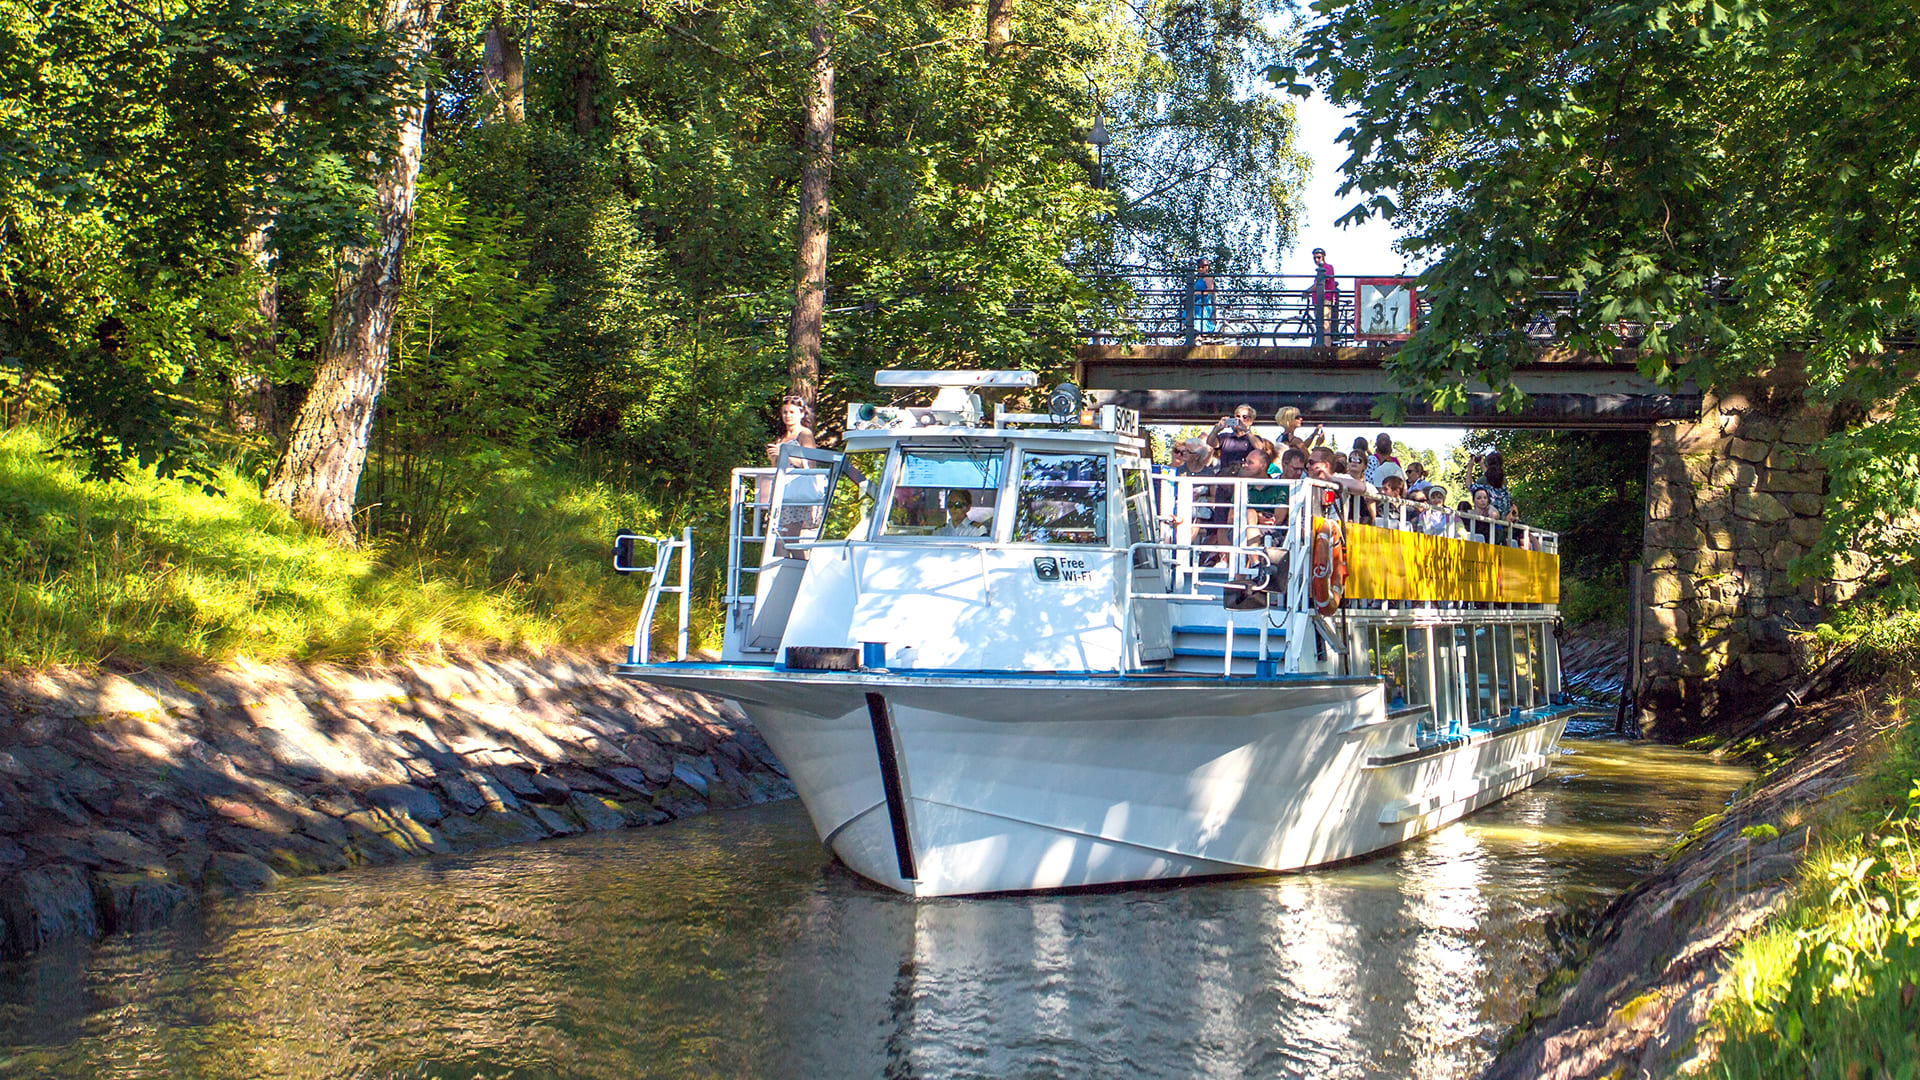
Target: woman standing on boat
x,y
1493,482
1232,438
796,426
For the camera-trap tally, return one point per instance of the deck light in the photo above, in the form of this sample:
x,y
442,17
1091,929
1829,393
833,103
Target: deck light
x,y
1064,403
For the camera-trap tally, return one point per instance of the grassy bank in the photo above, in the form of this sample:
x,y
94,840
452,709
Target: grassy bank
x,y
154,572
1829,989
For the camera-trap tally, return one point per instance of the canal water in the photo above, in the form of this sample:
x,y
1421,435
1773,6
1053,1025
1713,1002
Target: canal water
x,y
731,946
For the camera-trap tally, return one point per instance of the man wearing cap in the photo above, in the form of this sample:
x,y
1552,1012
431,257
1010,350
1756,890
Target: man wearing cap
x,y
1323,296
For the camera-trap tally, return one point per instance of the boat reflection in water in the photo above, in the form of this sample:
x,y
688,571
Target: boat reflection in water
x,y
731,946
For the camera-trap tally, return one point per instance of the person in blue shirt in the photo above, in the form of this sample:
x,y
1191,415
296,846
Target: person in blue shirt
x,y
1203,292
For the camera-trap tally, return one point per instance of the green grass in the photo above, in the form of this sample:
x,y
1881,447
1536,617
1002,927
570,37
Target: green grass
x,y
152,572
1828,989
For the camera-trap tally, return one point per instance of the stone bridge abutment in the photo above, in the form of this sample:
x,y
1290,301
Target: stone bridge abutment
x,y
1734,500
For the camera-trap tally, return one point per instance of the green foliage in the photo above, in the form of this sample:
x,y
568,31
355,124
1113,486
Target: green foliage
x,y
1201,163
1883,627
598,291
146,571
1732,178
139,146
1873,501
1828,990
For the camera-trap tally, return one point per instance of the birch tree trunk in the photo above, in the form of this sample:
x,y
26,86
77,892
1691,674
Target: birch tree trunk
x,y
320,471
810,258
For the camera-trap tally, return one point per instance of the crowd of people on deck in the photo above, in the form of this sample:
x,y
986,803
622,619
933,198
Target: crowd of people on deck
x,y
1379,488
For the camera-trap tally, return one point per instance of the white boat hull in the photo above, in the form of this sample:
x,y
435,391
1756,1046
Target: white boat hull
x,y
1060,782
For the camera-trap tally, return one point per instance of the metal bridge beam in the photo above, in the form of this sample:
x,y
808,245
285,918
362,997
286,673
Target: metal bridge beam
x,y
1330,386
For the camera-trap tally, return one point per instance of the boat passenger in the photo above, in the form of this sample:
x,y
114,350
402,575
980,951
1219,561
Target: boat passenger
x,y
1193,457
1491,477
1382,455
959,503
1480,528
1438,521
1232,437
1291,466
1417,482
1288,418
796,426
1392,509
1358,462
1265,501
1198,460
1321,466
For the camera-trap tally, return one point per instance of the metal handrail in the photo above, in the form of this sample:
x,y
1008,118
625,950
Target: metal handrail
x,y
664,547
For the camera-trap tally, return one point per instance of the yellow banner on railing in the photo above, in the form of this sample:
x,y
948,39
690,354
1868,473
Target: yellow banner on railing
x,y
1387,564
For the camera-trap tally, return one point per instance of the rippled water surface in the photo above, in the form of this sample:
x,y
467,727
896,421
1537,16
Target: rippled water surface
x,y
730,946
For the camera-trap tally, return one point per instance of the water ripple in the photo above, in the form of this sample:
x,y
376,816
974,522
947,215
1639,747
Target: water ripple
x,y
731,946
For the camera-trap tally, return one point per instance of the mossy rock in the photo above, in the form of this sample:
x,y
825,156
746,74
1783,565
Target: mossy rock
x,y
491,828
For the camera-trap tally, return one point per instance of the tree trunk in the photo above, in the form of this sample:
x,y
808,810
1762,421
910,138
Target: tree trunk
x,y
320,471
250,405
586,84
503,68
999,26
810,258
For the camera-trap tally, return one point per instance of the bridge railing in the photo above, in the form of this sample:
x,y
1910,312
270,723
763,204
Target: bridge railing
x,y
1286,310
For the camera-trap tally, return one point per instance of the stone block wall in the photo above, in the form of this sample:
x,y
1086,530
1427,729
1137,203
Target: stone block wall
x,y
1733,499
127,800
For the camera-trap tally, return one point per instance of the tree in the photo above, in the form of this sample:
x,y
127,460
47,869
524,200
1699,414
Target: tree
x,y
160,168
1738,178
1203,159
320,470
810,242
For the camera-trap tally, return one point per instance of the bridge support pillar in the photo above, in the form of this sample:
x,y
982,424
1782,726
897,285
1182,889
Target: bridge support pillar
x,y
1732,500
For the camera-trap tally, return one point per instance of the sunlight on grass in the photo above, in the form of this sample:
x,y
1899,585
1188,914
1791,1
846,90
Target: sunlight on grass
x,y
1829,989
154,572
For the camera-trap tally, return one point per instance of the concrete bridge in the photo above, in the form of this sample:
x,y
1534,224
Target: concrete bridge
x,y
1734,492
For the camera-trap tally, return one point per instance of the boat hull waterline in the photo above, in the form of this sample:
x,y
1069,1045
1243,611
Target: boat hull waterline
x,y
958,784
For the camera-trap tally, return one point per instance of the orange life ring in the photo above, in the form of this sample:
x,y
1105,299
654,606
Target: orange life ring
x,y
1328,585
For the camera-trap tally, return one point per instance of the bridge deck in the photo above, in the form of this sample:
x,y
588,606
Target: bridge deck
x,y
1341,384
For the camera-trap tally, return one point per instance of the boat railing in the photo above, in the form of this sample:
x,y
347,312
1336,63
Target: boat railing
x,y
1412,514
749,511
665,550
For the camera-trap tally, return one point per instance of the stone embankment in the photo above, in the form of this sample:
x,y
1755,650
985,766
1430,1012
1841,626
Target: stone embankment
x,y
1634,1000
125,800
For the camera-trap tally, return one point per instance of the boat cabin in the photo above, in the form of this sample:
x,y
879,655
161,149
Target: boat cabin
x,y
944,539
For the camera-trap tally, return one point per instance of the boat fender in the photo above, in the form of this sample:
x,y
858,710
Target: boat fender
x,y
822,658
1329,583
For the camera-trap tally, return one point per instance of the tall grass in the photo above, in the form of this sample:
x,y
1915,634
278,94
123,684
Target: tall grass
x,y
1828,990
153,572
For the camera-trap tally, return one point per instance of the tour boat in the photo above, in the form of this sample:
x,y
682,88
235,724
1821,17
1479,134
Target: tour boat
x,y
1000,652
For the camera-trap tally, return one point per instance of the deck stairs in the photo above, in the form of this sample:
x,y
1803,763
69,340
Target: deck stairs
x,y
1200,640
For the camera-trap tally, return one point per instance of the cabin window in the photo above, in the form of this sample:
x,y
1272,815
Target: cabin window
x,y
1139,515
855,496
1063,499
945,494
1389,661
